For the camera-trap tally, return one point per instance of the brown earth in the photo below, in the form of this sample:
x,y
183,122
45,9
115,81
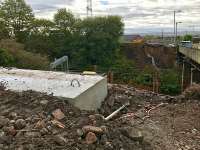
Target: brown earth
x,y
165,57
150,122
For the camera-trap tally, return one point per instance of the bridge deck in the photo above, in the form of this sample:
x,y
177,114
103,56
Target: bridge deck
x,y
193,54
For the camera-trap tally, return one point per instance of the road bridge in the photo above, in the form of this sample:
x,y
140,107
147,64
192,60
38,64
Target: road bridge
x,y
190,60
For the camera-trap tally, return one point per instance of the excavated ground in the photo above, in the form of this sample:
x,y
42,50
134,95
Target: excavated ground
x,y
150,122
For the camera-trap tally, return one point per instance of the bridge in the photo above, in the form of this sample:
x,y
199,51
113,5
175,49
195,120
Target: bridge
x,y
190,60
191,53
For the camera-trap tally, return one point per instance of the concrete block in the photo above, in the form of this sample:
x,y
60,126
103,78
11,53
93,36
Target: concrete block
x,y
83,91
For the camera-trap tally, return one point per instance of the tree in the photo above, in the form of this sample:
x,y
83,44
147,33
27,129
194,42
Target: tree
x,y
99,40
64,20
4,32
42,27
187,37
38,41
5,58
62,37
17,16
170,82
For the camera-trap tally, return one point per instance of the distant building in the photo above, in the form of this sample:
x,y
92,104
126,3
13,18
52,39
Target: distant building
x,y
134,38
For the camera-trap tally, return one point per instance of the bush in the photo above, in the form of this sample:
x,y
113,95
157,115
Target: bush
x,y
22,58
145,76
144,79
170,82
123,69
5,58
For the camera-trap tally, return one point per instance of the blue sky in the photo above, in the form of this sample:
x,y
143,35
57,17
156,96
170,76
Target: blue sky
x,y
139,16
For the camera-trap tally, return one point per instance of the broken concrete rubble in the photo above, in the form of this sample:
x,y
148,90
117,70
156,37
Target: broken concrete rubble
x,y
169,127
133,133
20,124
58,114
90,138
60,140
93,129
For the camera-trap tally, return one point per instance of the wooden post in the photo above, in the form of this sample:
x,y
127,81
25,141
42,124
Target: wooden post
x,y
191,81
183,72
110,77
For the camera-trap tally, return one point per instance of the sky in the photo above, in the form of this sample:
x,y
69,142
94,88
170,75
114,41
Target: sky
x,y
139,16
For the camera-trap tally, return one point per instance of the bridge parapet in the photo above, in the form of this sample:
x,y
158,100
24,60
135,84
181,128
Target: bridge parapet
x,y
192,53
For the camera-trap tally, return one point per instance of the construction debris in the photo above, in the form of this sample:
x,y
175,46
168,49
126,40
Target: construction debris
x,y
90,138
31,120
58,114
192,92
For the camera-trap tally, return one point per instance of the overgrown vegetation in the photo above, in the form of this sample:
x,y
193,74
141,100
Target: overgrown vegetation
x,y
13,54
170,82
5,58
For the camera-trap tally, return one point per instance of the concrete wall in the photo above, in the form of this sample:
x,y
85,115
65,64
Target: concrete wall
x,y
92,98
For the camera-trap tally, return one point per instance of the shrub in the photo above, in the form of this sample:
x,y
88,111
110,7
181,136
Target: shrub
x,y
5,58
123,69
22,58
144,79
170,82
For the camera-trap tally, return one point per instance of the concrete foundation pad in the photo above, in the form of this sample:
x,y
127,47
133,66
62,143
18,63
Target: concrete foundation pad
x,y
84,91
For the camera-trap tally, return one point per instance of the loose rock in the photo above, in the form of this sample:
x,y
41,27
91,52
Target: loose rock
x,y
20,124
58,114
32,134
91,138
60,140
3,121
93,129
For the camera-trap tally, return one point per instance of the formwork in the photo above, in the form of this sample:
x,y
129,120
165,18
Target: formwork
x,y
83,91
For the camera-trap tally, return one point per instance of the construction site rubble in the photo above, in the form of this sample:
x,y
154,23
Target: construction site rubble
x,y
148,121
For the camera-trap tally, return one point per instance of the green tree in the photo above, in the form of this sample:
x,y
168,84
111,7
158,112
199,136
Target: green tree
x,y
99,40
64,20
42,27
170,82
4,32
17,16
187,37
5,58
63,38
38,41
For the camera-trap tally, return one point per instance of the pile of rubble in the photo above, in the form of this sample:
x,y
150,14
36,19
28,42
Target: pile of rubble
x,y
192,92
146,121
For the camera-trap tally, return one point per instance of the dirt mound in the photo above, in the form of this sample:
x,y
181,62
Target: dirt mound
x,y
193,92
31,120
165,57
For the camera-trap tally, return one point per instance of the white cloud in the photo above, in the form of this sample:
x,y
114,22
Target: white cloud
x,y
138,15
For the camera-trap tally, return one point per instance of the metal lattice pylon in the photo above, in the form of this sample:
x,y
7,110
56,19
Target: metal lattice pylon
x,y
89,8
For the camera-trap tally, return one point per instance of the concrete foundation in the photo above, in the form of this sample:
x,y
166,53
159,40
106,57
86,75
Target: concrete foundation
x,y
83,91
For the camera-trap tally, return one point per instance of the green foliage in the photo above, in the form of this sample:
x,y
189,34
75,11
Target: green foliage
x,y
99,40
187,37
16,56
4,32
5,58
17,16
41,27
145,76
170,82
124,70
144,79
64,20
